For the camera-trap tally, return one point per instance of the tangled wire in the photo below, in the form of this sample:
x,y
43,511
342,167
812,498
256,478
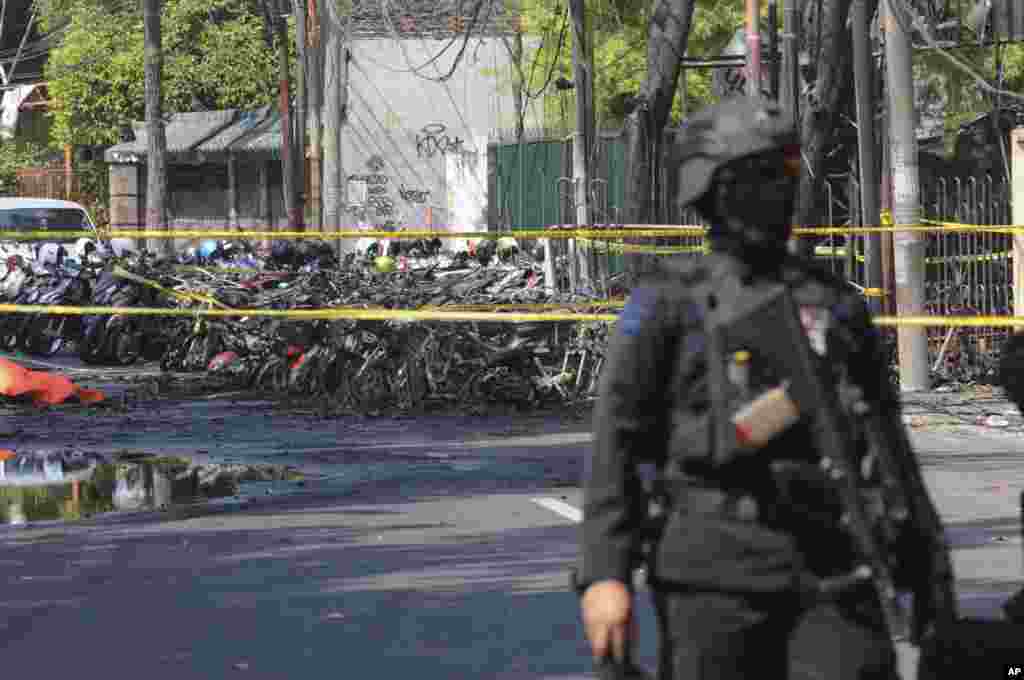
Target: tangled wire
x,y
362,363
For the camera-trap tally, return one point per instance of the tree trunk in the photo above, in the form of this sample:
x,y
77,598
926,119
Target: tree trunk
x,y
334,54
667,37
288,173
314,107
299,121
156,137
518,89
832,90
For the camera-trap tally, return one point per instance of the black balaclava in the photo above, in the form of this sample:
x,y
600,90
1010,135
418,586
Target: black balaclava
x,y
750,206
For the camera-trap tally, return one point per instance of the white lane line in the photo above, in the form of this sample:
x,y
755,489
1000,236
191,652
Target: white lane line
x,y
98,370
560,508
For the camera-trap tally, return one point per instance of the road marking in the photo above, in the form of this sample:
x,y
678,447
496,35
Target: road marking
x,y
560,508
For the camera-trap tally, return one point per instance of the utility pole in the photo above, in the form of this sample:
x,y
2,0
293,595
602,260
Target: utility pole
x,y
773,47
583,140
336,58
754,48
314,82
866,161
885,201
790,59
156,136
1017,218
298,14
908,247
284,103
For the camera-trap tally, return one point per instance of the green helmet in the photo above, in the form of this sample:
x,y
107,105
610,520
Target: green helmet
x,y
725,132
384,264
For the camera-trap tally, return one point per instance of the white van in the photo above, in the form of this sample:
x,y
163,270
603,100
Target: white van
x,y
41,214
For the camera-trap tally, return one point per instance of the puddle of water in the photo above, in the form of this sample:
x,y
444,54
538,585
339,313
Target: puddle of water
x,y
47,486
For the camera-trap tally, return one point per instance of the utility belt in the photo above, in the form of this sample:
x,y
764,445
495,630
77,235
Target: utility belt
x,y
814,529
687,499
798,502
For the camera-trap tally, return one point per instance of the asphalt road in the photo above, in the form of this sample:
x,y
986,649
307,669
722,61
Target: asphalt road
x,y
418,547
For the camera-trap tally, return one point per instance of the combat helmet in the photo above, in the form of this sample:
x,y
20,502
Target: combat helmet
x,y
719,134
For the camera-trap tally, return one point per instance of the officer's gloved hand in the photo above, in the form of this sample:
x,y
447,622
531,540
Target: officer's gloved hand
x,y
607,609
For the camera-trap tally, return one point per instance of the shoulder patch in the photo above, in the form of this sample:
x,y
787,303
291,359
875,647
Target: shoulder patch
x,y
639,310
816,321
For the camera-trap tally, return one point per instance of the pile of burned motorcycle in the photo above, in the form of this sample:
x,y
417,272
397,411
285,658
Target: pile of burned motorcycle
x,y
363,364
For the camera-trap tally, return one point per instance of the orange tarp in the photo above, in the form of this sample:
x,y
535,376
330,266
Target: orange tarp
x,y
45,389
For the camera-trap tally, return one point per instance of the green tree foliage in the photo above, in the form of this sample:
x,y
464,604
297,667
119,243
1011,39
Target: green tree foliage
x,y
620,61
15,155
619,29
955,93
215,55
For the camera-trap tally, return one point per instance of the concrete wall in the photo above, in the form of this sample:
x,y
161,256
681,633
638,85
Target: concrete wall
x,y
416,148
1017,215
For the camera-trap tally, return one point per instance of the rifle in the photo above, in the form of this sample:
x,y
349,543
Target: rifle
x,y
762,319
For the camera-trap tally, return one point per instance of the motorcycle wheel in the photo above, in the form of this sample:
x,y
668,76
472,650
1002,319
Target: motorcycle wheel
x,y
155,349
124,345
274,376
37,340
90,350
336,375
9,342
308,377
374,388
199,354
45,346
504,383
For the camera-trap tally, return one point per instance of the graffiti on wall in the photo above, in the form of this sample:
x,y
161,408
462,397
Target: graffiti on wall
x,y
433,139
413,195
382,205
376,183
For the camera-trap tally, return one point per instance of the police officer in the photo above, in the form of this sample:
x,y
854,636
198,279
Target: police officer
x,y
730,569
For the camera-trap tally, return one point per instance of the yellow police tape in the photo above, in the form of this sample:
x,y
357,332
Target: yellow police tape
x,y
840,252
189,296
437,315
618,231
600,304
635,248
221,270
642,231
950,321
307,314
120,272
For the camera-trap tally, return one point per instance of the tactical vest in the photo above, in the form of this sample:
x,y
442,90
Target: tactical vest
x,y
787,468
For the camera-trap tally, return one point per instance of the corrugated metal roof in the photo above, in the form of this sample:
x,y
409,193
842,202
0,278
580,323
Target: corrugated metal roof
x,y
184,132
244,123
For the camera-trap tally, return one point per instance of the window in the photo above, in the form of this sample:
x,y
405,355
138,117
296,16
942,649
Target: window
x,y
44,219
